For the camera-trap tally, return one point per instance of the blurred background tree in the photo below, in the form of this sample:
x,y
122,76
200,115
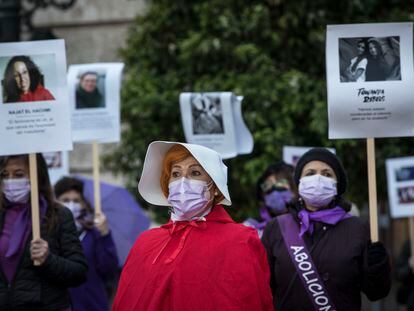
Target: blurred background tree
x,y
271,52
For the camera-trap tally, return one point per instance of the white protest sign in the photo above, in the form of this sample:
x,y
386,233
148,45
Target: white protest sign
x,y
291,154
94,91
243,136
215,120
57,164
370,80
34,108
400,178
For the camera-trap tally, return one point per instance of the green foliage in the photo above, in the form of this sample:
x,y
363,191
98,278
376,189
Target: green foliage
x,y
273,53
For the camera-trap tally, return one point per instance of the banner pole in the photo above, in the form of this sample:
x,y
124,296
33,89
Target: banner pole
x,y
34,199
372,187
96,179
411,230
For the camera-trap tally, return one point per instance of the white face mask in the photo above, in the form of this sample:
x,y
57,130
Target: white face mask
x,y
317,190
17,190
75,208
189,198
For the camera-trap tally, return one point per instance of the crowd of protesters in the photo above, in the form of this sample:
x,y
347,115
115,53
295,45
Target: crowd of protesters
x,y
305,252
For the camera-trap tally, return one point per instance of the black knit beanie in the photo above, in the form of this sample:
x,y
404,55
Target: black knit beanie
x,y
323,155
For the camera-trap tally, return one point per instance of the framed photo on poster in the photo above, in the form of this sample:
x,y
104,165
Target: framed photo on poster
x,y
94,92
370,80
400,182
214,120
34,106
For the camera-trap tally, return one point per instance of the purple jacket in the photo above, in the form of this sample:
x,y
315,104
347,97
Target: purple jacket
x,y
100,253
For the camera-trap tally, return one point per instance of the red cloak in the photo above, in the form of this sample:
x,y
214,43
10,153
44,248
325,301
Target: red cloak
x,y
205,265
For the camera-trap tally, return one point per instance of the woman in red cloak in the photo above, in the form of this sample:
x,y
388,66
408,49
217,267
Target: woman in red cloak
x,y
201,259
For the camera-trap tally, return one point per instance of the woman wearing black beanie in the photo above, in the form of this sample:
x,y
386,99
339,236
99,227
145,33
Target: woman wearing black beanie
x,y
321,257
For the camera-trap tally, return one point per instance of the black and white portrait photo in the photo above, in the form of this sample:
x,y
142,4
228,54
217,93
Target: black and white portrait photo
x,y
207,117
90,89
405,173
365,59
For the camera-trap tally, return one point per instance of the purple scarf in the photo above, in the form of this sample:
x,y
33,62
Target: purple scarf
x,y
329,216
23,226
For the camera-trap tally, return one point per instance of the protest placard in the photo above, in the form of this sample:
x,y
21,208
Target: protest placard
x,y
369,78
291,154
215,120
370,74
400,181
34,106
57,164
94,92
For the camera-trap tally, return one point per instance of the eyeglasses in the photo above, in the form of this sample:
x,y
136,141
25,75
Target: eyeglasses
x,y
278,185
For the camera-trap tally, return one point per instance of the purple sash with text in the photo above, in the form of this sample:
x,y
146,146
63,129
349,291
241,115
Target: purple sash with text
x,y
304,265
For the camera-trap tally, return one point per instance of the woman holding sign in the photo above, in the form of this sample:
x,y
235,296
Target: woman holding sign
x,y
201,259
321,257
97,243
24,286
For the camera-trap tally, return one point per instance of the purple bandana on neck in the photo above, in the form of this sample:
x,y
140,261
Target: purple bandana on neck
x,y
329,216
23,226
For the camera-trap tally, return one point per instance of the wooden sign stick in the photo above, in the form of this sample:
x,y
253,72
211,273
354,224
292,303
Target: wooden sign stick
x,y
372,187
34,199
411,237
96,181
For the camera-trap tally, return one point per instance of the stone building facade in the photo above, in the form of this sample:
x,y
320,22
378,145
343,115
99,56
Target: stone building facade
x,y
94,31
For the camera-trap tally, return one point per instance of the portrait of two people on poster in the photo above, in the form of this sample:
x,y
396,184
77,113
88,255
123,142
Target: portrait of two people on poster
x,y
369,59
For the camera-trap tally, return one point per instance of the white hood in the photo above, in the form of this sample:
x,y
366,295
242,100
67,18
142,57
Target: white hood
x,y
149,185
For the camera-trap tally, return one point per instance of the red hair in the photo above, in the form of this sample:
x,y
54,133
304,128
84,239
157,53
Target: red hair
x,y
176,154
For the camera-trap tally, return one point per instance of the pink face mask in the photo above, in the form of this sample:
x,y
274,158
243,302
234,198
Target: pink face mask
x,y
317,190
17,190
189,198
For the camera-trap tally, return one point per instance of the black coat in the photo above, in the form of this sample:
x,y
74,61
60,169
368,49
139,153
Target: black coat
x,y
340,256
405,293
45,287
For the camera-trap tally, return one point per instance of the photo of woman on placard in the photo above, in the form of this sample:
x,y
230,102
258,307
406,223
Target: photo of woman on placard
x,y
206,114
24,82
369,59
90,90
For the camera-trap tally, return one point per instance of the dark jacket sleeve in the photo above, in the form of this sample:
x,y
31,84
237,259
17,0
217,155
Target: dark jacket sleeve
x,y
376,278
106,258
403,270
68,267
266,240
